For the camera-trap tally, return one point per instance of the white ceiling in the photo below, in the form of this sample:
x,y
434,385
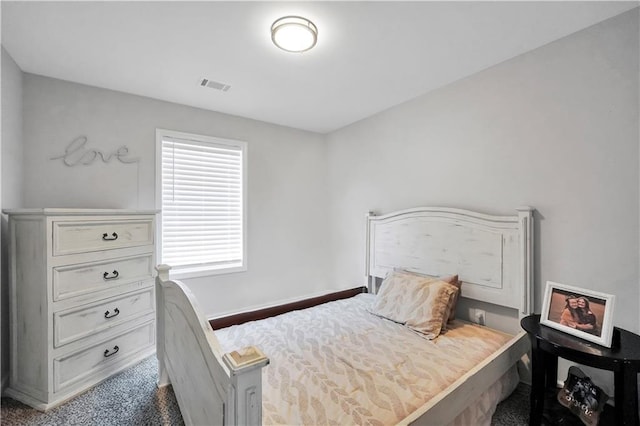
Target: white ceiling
x,y
369,57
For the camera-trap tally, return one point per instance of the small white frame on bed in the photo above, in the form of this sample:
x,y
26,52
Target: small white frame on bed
x,y
491,254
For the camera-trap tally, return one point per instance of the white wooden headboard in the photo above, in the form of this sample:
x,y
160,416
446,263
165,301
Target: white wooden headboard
x,y
493,255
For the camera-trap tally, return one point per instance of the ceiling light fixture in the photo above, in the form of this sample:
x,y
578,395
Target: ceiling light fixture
x,y
294,33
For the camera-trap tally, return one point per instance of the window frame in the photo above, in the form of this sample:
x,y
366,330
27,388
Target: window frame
x,y
210,270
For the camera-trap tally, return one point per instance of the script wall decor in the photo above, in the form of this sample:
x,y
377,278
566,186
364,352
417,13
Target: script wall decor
x,y
77,153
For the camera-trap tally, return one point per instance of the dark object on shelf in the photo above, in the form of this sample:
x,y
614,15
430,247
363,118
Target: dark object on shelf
x,y
558,415
582,397
623,358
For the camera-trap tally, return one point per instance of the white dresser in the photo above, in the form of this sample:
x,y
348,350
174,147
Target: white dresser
x,y
82,299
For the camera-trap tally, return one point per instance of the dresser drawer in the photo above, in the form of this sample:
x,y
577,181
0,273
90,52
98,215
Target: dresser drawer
x,y
85,236
82,364
73,324
83,278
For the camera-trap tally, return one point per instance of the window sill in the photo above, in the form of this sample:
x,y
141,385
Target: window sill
x,y
182,273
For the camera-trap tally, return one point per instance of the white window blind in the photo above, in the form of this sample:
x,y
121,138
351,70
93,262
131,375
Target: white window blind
x,y
202,203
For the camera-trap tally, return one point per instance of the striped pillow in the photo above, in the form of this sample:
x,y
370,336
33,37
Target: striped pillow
x,y
420,303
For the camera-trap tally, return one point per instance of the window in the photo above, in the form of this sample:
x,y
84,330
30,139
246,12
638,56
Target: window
x,y
201,183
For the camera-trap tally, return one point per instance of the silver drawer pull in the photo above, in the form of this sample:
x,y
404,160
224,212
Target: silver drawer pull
x,y
107,353
106,237
114,275
115,313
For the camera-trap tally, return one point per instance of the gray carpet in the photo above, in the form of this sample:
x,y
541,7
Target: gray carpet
x,y
132,398
129,398
513,411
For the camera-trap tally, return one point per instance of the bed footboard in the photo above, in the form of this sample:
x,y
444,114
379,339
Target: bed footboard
x,y
210,387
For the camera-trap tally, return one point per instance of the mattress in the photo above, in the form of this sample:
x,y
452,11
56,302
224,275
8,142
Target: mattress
x,y
338,364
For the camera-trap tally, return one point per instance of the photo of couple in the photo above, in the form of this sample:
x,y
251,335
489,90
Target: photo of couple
x,y
577,311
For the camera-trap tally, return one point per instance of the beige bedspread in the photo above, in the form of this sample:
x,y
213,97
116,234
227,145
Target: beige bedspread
x,y
337,364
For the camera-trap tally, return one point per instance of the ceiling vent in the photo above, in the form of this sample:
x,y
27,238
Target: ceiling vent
x,y
205,82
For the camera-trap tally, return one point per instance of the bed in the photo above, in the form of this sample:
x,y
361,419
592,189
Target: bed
x,y
220,377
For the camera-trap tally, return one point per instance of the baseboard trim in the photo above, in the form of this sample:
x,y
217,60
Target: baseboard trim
x,y
4,382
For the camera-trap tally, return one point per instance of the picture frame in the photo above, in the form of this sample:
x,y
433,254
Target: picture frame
x,y
590,318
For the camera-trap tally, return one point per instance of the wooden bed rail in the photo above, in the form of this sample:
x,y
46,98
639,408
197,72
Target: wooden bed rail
x,y
241,318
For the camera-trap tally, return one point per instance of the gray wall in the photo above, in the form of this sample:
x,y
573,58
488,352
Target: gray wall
x,y
556,128
287,239
11,156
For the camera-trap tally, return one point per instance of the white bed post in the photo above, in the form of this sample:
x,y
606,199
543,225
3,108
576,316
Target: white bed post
x,y
525,217
371,281
163,275
525,228
244,406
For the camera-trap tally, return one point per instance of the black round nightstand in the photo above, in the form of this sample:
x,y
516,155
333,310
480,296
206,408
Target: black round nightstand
x,y
623,358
